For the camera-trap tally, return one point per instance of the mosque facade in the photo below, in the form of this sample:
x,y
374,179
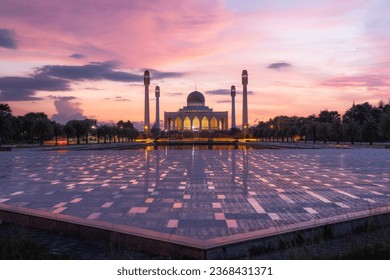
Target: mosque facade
x,y
196,116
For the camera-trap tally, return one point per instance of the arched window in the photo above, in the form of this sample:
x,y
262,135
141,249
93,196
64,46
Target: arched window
x,y
205,123
221,123
195,124
187,123
178,124
213,123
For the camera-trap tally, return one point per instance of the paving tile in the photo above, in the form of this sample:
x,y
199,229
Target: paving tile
x,y
201,194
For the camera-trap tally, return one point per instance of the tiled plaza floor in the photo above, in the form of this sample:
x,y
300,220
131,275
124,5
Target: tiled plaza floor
x,y
201,194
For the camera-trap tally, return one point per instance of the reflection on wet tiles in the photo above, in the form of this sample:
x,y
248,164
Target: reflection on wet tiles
x,y
219,216
201,194
375,192
58,210
17,193
342,205
323,199
345,193
216,205
61,204
286,198
310,210
274,216
256,205
231,223
94,216
172,223
107,204
177,205
138,210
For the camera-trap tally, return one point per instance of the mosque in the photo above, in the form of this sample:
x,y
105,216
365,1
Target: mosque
x,y
196,116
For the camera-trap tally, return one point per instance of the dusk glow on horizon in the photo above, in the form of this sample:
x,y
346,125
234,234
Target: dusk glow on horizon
x,y
86,59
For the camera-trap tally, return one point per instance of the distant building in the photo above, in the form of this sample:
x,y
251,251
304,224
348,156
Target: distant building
x,y
196,116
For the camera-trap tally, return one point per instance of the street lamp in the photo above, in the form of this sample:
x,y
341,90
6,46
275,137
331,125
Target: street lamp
x,y
146,128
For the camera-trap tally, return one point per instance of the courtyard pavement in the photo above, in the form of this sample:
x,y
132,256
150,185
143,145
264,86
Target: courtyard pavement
x,y
201,194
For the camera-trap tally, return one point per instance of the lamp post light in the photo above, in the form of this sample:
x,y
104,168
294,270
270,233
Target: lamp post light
x,y
146,109
233,95
245,101
146,130
157,123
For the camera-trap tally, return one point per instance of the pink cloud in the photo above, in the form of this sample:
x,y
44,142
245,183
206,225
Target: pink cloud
x,y
367,81
147,33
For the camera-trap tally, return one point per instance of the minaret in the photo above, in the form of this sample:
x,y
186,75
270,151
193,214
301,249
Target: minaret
x,y
157,124
244,102
146,116
233,94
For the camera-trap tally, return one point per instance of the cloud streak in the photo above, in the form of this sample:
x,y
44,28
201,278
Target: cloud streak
x,y
95,71
278,66
368,81
61,77
225,92
164,75
77,56
25,88
7,39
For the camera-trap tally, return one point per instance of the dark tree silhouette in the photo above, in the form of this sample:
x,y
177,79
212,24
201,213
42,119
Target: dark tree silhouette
x,y
42,128
58,130
5,126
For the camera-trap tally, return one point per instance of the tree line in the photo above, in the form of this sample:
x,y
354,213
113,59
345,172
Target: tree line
x,y
360,123
37,127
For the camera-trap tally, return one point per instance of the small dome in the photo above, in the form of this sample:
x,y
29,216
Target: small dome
x,y
195,98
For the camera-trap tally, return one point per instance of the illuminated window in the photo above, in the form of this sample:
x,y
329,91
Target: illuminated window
x,y
195,123
178,123
205,123
187,123
214,123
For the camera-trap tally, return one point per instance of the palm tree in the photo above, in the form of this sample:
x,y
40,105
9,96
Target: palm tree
x,y
58,130
322,131
370,131
336,130
5,127
89,124
351,131
384,125
69,132
41,128
5,122
5,109
80,128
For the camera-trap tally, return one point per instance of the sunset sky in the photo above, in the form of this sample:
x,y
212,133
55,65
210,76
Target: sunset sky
x,y
85,58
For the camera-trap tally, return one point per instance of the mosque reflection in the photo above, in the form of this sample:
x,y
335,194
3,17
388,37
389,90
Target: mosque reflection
x,y
233,165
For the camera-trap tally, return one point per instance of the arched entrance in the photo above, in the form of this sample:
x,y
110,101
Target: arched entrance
x,y
205,123
213,124
178,124
195,124
187,123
